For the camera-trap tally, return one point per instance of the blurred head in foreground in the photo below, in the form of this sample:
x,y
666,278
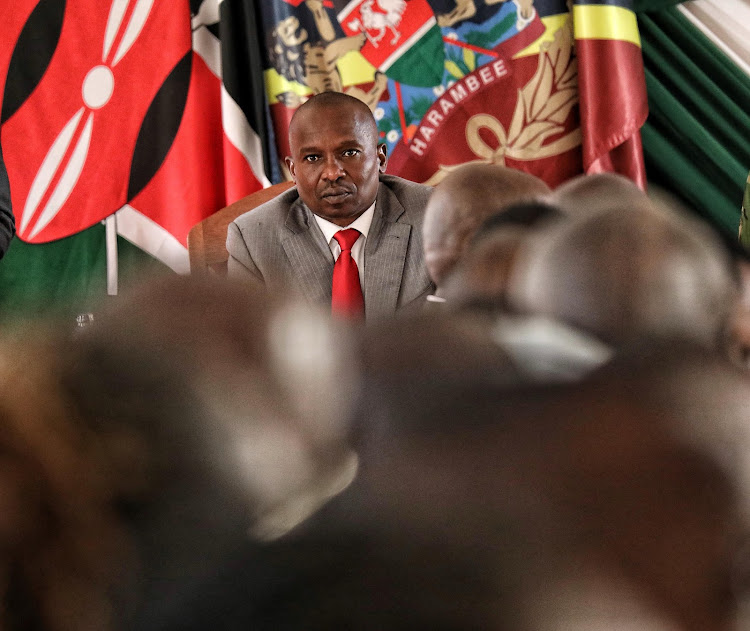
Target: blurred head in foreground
x,y
739,333
480,278
614,503
461,202
737,338
672,508
599,191
223,419
623,273
617,501
63,551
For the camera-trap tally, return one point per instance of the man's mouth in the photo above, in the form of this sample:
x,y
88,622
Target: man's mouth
x,y
336,195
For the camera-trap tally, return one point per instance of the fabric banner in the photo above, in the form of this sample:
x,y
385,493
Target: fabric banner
x,y
474,80
120,105
612,85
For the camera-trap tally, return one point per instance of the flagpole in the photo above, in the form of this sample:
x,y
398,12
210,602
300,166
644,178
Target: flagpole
x,y
110,225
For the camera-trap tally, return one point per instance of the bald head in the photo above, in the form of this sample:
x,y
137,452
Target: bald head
x,y
481,277
587,193
332,101
625,273
462,201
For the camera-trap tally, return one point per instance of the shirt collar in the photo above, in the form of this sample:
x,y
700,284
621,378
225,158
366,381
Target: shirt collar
x,y
361,223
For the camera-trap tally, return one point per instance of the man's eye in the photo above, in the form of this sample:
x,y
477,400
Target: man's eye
x,y
311,158
350,153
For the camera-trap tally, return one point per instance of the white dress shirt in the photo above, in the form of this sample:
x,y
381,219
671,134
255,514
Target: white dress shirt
x,y
362,224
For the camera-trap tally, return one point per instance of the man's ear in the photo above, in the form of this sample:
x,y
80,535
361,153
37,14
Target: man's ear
x,y
382,156
290,165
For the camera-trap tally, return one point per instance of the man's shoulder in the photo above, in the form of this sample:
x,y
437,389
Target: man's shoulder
x,y
274,211
412,195
400,185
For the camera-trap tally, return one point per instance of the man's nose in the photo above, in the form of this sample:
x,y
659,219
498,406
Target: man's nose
x,y
332,169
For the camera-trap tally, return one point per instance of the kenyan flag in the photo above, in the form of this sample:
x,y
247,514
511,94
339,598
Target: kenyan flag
x,y
120,107
403,39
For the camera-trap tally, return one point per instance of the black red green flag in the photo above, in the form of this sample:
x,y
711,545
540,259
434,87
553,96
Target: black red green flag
x,y
119,106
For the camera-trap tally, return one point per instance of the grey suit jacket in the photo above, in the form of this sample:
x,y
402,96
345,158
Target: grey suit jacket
x,y
280,246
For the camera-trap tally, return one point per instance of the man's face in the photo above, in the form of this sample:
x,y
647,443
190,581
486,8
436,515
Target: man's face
x,y
335,161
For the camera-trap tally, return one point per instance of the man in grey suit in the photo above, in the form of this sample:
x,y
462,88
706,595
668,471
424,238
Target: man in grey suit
x,y
338,167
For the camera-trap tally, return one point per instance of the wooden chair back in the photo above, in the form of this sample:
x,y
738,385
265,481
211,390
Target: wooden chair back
x,y
206,240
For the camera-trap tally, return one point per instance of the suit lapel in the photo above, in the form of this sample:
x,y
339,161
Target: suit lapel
x,y
309,255
385,256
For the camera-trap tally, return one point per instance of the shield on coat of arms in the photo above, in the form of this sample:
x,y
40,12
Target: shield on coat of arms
x,y
403,39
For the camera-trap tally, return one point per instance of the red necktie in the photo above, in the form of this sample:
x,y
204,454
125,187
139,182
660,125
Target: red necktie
x,y
346,295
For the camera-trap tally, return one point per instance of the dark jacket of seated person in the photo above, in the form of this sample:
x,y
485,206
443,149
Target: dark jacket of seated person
x,y
7,222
